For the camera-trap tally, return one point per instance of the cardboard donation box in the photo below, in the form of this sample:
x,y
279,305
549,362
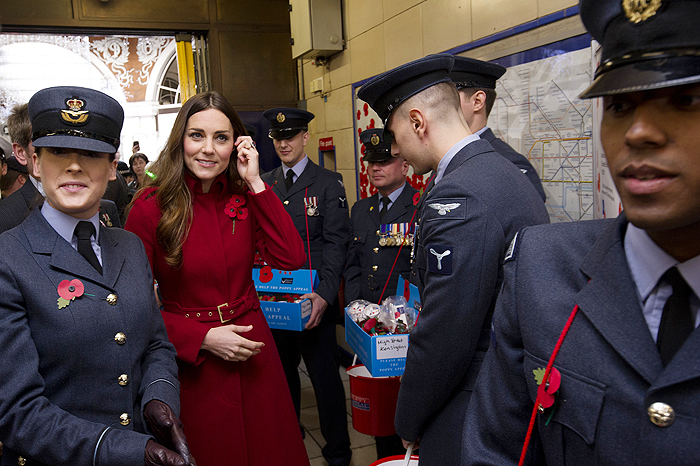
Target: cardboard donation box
x,y
382,355
280,296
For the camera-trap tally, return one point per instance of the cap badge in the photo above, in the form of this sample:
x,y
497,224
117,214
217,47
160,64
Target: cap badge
x,y
281,117
640,10
75,115
375,140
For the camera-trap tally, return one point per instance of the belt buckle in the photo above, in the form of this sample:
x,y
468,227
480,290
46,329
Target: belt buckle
x,y
221,315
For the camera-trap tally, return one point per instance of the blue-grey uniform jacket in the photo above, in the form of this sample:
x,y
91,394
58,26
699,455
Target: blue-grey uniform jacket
x,y
466,222
15,207
368,264
518,159
611,370
74,381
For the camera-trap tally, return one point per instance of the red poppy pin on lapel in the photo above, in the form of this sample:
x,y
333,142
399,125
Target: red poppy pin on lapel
x,y
68,291
235,210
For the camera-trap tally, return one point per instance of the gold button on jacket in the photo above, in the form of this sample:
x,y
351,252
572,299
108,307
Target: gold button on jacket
x,y
661,414
125,419
120,338
123,380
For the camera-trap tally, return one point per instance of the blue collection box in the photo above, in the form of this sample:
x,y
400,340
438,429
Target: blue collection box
x,y
283,315
383,355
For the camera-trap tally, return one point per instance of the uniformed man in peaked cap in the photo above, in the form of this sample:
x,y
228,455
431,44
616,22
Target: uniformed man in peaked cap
x,y
315,199
611,305
381,228
478,203
89,376
476,83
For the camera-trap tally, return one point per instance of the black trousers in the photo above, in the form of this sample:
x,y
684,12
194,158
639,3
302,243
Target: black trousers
x,y
319,349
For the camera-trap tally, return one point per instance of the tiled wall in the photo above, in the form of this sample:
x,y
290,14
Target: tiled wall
x,y
382,34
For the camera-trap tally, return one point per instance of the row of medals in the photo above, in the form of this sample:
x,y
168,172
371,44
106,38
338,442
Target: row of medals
x,y
395,239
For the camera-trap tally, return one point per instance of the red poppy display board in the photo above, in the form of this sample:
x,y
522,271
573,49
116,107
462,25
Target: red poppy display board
x,y
282,286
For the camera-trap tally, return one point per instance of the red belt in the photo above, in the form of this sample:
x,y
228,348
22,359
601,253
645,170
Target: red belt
x,y
223,312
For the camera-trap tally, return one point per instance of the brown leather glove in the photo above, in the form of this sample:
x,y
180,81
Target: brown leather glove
x,y
167,429
158,455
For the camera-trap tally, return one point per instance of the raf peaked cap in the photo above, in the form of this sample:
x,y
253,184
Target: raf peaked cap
x,y
75,118
388,90
13,164
647,44
286,122
376,149
468,72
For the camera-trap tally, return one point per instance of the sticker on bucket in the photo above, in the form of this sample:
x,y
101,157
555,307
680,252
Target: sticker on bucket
x,y
394,346
359,402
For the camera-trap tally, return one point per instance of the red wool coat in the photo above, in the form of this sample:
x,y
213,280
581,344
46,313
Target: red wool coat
x,y
235,413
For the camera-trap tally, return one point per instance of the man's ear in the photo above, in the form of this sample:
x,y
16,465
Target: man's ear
x,y
20,154
478,100
113,169
418,121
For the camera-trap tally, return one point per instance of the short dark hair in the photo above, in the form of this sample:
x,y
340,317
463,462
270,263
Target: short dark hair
x,y
9,178
137,155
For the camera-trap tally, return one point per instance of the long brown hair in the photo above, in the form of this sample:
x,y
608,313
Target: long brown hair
x,y
173,196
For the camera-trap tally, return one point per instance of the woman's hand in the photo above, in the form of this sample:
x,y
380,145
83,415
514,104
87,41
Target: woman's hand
x,y
247,164
226,343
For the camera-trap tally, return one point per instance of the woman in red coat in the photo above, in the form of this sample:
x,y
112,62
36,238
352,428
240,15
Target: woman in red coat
x,y
201,221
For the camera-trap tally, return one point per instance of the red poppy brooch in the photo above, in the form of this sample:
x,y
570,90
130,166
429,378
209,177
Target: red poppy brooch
x,y
68,290
236,210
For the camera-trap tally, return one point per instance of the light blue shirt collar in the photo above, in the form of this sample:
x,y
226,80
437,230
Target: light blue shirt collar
x,y
65,224
447,158
392,196
298,169
481,131
648,262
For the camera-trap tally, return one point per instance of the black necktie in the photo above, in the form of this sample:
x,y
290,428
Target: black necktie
x,y
676,321
289,181
83,231
384,201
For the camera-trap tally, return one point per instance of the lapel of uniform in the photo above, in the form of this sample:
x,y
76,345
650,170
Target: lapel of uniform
x,y
609,301
45,241
373,209
684,366
305,179
112,261
398,208
278,183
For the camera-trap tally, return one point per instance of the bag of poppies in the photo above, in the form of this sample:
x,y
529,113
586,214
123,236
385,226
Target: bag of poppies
x,y
396,316
366,315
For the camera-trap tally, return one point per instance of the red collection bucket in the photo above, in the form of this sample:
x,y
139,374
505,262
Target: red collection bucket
x,y
373,401
396,461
